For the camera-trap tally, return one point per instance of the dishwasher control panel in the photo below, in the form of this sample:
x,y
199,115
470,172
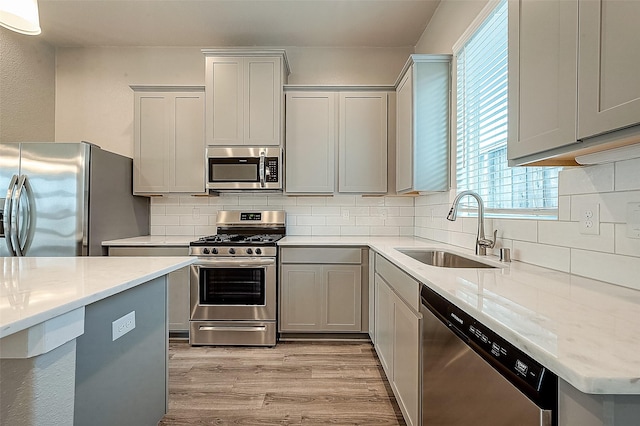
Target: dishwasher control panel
x,y
493,348
504,352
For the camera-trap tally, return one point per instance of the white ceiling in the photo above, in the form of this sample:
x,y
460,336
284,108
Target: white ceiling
x,y
304,23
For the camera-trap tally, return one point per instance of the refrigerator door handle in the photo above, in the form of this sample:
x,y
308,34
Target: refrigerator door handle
x,y
6,219
22,242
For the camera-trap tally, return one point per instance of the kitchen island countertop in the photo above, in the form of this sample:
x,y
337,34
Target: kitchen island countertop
x,y
38,289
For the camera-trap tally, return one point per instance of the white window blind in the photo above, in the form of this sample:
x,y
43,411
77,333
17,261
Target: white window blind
x,y
482,119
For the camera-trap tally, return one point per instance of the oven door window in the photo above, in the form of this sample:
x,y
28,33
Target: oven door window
x,y
232,286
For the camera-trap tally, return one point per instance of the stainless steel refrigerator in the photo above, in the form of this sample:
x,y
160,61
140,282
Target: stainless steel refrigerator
x,y
64,199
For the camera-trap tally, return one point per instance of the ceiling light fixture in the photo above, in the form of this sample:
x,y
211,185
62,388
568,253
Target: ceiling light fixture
x,y
20,16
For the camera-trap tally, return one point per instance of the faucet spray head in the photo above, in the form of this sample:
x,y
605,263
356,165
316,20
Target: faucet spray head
x,y
452,214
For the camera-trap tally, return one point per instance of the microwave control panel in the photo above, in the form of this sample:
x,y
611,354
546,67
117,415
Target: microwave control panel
x,y
272,169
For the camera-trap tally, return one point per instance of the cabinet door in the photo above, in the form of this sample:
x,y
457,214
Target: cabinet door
x,y
169,142
542,75
372,296
310,142
263,99
300,298
224,80
362,142
151,154
404,133
384,325
342,298
609,65
178,288
188,149
406,361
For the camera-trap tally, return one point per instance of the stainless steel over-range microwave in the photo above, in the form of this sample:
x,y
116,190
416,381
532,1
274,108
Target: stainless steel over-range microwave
x,y
244,168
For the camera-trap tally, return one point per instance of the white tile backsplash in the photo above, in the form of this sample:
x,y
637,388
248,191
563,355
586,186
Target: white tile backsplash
x,y
616,269
306,215
554,257
586,180
627,175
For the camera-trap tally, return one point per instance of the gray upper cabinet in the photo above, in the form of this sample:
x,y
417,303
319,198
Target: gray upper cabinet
x,y
573,86
608,66
336,136
362,153
168,140
310,142
244,97
543,72
422,124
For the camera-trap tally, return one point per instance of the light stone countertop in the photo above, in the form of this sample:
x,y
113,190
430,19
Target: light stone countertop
x,y
583,330
34,290
152,240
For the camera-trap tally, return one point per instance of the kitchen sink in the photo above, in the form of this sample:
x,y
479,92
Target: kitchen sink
x,y
443,259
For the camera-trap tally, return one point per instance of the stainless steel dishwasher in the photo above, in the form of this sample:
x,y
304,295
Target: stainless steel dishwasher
x,y
471,376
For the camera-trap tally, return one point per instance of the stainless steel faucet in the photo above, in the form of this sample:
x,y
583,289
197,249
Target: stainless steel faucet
x,y
482,243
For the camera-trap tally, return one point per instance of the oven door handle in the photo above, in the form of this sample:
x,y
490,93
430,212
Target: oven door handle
x,y
235,263
260,328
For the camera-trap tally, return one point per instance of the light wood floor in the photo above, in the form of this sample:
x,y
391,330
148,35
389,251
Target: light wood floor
x,y
295,383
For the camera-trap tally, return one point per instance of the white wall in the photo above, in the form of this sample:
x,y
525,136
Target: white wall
x,y
95,103
449,22
27,88
556,244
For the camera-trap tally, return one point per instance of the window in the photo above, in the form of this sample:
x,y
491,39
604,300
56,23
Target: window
x,y
482,118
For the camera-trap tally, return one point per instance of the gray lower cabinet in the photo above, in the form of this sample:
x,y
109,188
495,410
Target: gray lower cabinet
x,y
397,335
177,282
321,290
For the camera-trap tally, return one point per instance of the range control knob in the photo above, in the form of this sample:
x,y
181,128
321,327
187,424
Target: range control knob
x,y
214,250
232,251
249,251
205,250
258,251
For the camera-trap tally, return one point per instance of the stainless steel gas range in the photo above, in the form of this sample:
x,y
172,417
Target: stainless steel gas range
x,y
233,283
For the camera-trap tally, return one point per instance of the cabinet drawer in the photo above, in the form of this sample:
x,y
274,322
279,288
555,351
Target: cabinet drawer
x,y
325,255
148,251
405,286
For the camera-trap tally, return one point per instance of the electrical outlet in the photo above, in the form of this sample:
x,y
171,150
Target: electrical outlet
x,y
633,220
590,219
123,325
195,213
345,214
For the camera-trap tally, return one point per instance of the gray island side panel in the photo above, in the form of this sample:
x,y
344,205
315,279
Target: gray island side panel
x,y
124,382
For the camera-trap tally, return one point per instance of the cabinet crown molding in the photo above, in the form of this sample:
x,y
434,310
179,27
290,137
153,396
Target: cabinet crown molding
x,y
421,57
249,51
165,88
338,88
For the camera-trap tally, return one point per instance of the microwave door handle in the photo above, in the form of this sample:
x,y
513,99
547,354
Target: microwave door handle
x,y
6,220
262,155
